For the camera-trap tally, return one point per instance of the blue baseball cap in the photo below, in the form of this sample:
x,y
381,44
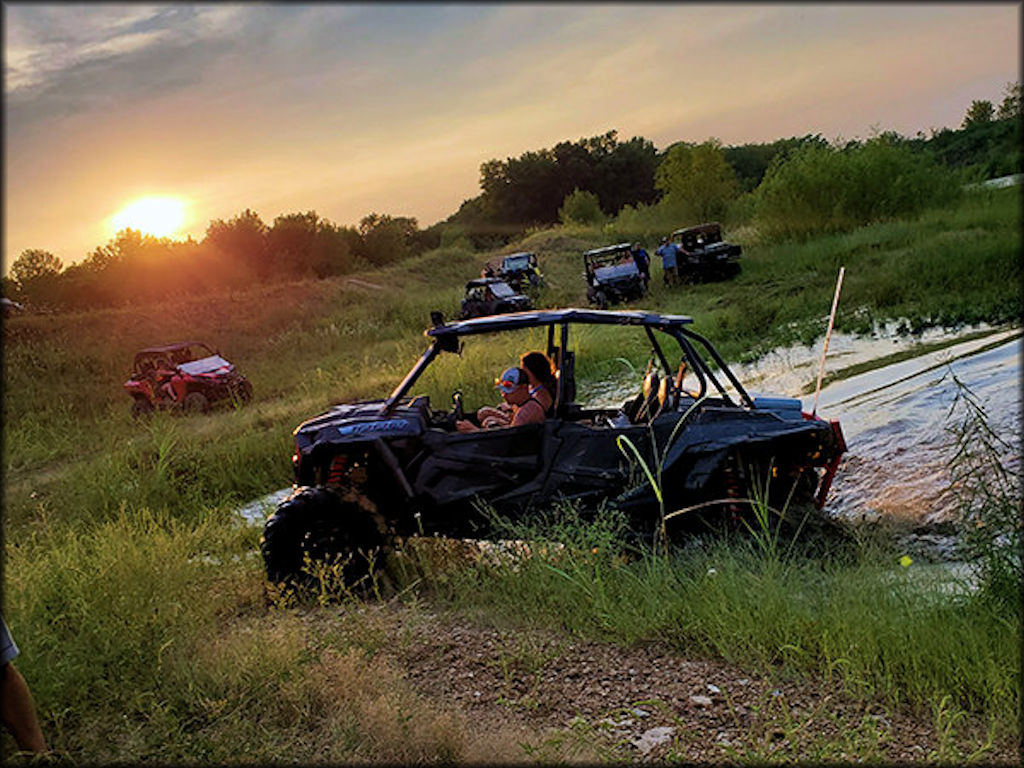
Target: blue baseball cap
x,y
510,379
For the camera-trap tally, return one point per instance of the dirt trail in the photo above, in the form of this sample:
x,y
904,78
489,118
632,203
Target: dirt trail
x,y
647,703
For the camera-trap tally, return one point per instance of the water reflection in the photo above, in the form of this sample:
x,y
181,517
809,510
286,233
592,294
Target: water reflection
x,y
896,422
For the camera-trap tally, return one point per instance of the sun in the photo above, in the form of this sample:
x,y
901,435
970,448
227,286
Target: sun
x,y
157,216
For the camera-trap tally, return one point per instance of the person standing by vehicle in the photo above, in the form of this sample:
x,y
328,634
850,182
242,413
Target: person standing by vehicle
x,y
515,390
669,258
643,262
16,706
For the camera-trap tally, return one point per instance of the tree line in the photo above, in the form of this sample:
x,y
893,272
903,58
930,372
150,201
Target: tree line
x,y
792,187
234,253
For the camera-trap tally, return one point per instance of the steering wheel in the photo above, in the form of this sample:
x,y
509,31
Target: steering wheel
x,y
457,411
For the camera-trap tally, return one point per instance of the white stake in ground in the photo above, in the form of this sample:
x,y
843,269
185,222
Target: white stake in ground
x,y
828,335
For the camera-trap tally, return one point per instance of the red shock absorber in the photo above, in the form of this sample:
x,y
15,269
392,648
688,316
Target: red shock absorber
x,y
732,490
339,465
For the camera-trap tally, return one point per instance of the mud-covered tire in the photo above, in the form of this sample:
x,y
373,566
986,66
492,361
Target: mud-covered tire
x,y
243,391
141,407
601,299
316,522
196,402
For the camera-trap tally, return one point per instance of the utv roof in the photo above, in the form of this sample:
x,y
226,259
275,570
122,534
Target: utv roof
x,y
609,249
710,226
479,281
518,253
170,347
543,317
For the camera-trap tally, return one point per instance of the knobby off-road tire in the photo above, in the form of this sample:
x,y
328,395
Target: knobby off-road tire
x,y
243,391
141,407
316,522
196,402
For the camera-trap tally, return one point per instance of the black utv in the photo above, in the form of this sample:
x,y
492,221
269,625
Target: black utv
x,y
370,474
491,296
704,256
612,275
520,271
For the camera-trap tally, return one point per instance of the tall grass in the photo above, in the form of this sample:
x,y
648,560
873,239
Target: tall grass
x,y
145,639
989,499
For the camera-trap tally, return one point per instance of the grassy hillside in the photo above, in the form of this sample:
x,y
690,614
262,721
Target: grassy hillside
x,y
69,441
138,647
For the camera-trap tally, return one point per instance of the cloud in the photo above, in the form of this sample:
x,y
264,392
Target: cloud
x,y
347,108
44,41
62,60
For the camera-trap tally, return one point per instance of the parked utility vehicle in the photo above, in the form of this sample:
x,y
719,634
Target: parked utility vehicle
x,y
186,375
703,255
612,275
491,296
520,271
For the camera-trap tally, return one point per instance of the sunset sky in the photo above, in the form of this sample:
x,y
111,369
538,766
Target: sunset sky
x,y
346,109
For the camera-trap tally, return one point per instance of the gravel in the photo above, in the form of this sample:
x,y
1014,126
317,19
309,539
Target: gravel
x,y
648,702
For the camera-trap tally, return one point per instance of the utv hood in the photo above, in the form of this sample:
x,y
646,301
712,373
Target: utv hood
x,y
358,423
615,272
212,364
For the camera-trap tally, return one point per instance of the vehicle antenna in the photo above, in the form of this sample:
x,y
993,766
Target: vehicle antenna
x,y
828,335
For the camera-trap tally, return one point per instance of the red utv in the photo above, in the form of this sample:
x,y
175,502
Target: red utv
x,y
186,375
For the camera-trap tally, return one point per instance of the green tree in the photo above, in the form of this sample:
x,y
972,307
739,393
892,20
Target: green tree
x,y
37,275
385,239
335,249
625,175
696,182
980,112
750,161
35,264
243,240
1010,106
580,207
290,242
522,190
529,189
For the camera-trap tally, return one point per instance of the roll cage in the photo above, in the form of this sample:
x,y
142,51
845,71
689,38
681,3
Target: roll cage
x,y
607,256
517,262
447,337
171,354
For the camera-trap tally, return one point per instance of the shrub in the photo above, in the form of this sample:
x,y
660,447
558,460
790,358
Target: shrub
x,y
820,189
580,207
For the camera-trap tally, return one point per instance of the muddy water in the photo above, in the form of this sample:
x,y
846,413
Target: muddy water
x,y
894,417
897,424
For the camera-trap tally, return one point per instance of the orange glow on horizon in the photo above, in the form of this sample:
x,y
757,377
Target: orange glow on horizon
x,y
156,216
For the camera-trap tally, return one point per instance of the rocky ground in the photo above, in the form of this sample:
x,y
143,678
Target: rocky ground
x,y
575,700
